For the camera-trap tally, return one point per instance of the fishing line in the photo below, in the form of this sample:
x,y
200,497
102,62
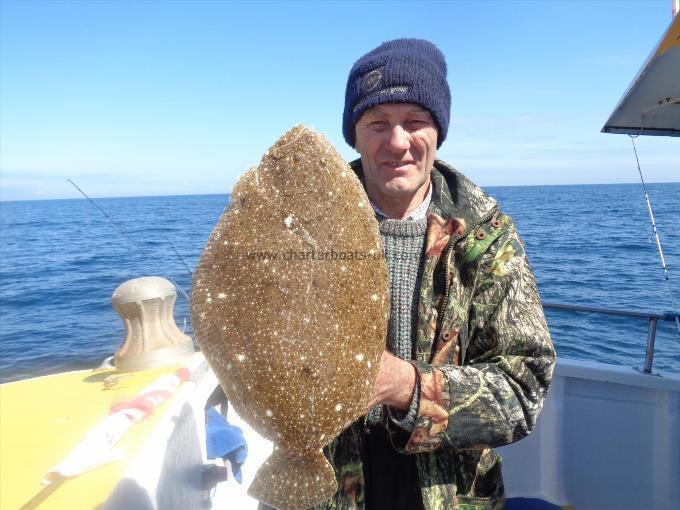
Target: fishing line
x,y
130,240
658,241
178,255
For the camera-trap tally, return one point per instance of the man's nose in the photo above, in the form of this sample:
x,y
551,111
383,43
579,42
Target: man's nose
x,y
399,139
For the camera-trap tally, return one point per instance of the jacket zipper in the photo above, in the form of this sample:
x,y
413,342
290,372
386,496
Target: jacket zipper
x,y
452,244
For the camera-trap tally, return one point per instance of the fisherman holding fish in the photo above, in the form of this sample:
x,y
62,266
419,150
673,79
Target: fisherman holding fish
x,y
465,356
468,357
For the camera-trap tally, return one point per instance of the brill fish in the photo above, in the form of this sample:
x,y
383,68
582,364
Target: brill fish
x,y
290,304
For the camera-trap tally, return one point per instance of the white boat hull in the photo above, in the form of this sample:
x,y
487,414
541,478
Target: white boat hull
x,y
608,438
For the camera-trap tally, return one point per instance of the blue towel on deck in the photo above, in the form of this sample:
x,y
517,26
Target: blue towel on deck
x,y
225,441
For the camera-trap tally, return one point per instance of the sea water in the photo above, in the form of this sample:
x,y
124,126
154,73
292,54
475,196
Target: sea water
x,y
589,245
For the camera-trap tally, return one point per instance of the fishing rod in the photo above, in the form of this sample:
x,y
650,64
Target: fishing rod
x,y
658,240
133,243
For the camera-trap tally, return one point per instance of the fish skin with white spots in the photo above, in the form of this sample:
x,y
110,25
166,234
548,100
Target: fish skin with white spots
x,y
295,340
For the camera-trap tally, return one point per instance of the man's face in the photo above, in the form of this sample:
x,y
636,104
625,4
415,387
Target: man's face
x,y
398,144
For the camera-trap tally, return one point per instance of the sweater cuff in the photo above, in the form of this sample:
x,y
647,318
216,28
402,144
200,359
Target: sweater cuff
x,y
406,420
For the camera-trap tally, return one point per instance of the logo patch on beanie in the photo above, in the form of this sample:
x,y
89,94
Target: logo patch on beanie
x,y
371,80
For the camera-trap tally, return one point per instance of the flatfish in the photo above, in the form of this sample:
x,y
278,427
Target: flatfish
x,y
290,305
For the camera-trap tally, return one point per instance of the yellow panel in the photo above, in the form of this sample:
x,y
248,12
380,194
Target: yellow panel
x,y
42,420
671,38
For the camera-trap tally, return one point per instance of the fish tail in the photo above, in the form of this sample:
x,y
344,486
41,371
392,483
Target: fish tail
x,y
290,481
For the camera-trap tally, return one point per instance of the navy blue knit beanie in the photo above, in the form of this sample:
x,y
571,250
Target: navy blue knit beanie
x,y
399,71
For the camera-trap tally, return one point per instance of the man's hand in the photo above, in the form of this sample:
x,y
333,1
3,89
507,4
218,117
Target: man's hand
x,y
395,383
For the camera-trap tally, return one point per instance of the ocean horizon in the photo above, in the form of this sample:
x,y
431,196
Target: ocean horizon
x,y
491,187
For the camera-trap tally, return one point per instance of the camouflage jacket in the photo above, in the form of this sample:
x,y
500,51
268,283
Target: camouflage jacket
x,y
483,355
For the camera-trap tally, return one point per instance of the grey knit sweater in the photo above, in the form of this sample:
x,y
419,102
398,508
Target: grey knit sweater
x,y
403,241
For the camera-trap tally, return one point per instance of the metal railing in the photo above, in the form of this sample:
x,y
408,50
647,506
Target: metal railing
x,y
652,319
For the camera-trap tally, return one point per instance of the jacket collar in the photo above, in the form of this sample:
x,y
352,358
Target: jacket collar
x,y
453,194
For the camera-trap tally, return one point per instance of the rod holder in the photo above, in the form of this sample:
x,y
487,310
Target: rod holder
x,y
651,337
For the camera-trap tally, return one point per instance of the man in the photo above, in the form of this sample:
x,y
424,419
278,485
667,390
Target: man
x,y
469,358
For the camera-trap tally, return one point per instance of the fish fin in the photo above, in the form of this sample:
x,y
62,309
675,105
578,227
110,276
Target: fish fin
x,y
290,481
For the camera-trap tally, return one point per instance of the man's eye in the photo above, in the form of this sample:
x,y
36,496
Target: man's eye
x,y
418,123
378,124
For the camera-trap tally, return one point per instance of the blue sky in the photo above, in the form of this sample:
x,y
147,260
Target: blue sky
x,y
157,98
